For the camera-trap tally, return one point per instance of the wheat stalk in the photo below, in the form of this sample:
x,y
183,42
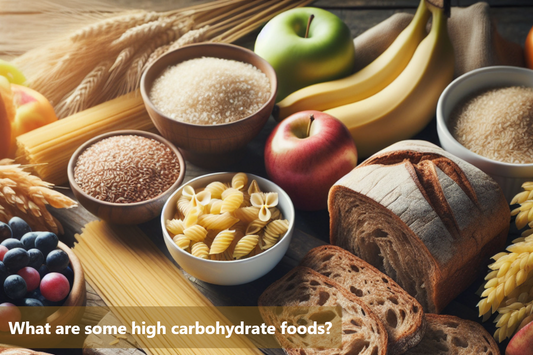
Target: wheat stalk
x,y
65,71
113,24
26,196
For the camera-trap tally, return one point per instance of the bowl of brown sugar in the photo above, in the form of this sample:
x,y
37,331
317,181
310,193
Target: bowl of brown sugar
x,y
125,177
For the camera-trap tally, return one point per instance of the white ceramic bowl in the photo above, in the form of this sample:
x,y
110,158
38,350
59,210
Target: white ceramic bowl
x,y
509,176
229,272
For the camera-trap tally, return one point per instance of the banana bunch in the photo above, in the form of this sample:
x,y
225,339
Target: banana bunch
x,y
395,96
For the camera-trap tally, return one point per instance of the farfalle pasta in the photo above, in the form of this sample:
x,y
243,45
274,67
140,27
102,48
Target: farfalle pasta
x,y
227,220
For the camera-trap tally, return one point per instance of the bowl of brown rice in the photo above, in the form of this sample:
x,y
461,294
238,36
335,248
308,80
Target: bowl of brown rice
x,y
485,117
210,100
125,177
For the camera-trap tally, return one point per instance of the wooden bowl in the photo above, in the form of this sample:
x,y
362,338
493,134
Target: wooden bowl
x,y
210,146
69,313
124,213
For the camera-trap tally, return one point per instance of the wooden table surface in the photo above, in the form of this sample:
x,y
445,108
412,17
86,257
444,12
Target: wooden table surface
x,y
514,18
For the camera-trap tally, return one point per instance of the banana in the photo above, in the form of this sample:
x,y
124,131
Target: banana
x,y
404,107
366,82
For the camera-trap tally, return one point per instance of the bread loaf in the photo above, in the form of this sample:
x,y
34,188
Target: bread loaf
x,y
362,331
421,215
399,312
449,335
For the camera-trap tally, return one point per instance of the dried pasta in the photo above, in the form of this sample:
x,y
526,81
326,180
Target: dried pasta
x,y
222,241
182,241
216,189
239,181
245,245
219,222
232,202
191,218
195,233
246,214
175,226
130,273
200,250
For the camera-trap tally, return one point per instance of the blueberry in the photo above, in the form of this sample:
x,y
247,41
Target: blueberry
x,y
36,258
43,270
69,274
4,273
5,231
15,287
16,259
19,227
57,260
28,240
46,242
12,243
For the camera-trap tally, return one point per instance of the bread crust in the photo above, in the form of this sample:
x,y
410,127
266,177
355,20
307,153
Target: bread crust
x,y
452,335
401,314
305,287
450,216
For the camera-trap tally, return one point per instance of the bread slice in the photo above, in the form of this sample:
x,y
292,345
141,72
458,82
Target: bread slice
x,y
362,331
401,313
426,218
449,335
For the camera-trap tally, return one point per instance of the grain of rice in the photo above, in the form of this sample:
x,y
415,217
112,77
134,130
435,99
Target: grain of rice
x,y
210,91
126,169
497,124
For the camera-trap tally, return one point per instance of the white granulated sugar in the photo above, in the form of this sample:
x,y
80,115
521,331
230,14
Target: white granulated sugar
x,y
497,124
210,91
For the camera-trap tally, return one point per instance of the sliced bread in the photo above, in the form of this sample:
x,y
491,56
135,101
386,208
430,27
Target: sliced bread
x,y
362,331
426,218
401,314
449,335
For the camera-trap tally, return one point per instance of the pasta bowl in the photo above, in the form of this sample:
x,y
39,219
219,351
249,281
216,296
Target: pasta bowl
x,y
509,176
233,272
217,145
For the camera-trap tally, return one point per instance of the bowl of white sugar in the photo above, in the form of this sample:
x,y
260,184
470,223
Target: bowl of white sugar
x,y
210,100
486,118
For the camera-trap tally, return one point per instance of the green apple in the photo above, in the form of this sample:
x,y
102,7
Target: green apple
x,y
326,53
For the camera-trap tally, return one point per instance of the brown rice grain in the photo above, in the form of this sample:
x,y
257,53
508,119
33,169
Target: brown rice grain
x,y
126,169
497,124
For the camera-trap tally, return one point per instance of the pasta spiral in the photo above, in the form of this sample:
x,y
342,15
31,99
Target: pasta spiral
x,y
246,214
195,233
222,241
200,250
239,181
232,202
182,241
217,221
216,188
245,245
175,226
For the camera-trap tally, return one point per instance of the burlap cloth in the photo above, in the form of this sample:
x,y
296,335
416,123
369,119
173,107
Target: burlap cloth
x,y
475,39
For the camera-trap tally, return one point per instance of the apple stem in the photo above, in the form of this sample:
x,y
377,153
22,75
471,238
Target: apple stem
x,y
309,25
311,119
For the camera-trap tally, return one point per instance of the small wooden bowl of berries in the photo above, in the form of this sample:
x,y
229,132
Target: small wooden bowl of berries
x,y
40,280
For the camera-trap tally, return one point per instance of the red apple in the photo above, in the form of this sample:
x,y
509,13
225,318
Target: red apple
x,y
522,342
306,154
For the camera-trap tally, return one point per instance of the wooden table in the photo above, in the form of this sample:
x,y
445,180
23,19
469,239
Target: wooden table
x,y
514,19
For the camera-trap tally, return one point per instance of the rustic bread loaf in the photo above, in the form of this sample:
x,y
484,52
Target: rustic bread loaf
x,y
421,215
400,313
362,331
449,335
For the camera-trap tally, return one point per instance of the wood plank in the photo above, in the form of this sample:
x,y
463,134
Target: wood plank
x,y
377,4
